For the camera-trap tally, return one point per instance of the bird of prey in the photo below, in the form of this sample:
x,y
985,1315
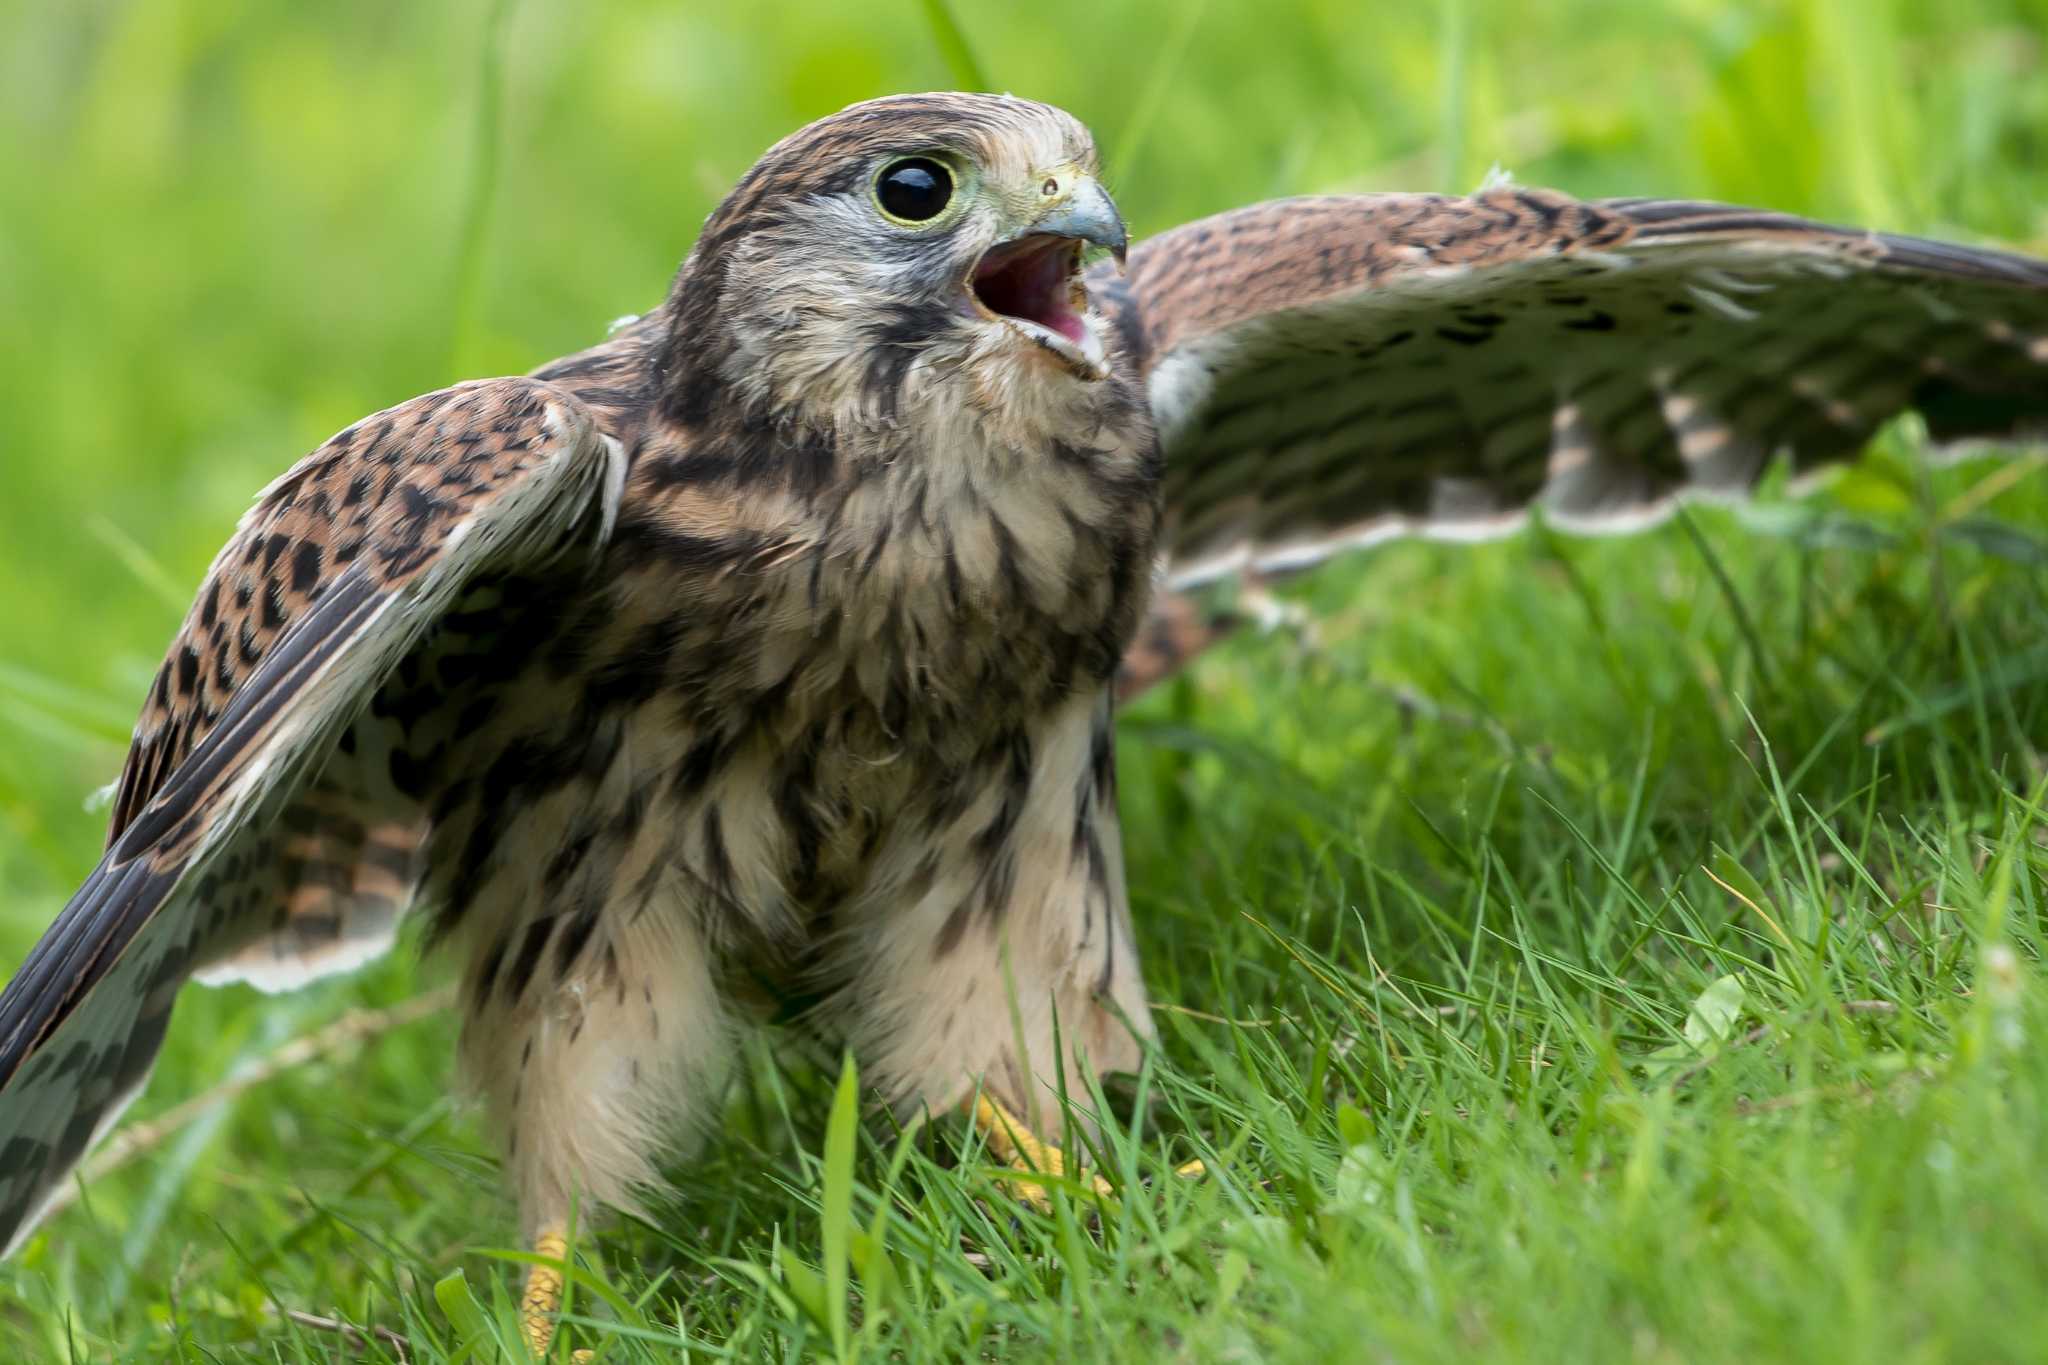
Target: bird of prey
x,y
769,649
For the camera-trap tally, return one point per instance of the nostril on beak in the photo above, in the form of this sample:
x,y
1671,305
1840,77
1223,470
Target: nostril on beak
x,y
1086,213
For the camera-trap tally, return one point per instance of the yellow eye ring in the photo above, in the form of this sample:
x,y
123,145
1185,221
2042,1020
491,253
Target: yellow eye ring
x,y
913,190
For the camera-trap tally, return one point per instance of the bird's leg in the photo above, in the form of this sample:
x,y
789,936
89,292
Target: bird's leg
x,y
1000,967
542,1298
591,1040
1009,1139
1024,1150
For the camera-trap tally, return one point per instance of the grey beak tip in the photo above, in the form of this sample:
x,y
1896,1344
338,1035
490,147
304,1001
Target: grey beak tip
x,y
1090,216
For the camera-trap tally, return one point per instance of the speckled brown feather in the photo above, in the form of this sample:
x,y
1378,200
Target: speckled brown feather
x,y
225,828
379,498
1326,371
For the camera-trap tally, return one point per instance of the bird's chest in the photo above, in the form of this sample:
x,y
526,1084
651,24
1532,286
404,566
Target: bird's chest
x,y
917,599
855,650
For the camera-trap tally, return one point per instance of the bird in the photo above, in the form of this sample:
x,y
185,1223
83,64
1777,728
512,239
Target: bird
x,y
769,650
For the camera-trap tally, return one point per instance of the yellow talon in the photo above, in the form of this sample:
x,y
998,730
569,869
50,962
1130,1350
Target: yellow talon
x,y
1024,1150
543,1297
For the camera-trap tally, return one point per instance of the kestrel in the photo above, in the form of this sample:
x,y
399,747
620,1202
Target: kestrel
x,y
768,650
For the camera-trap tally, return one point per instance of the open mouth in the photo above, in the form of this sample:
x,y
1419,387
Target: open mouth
x,y
1034,285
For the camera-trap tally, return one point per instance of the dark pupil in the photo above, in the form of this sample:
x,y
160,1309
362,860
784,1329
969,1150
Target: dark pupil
x,y
916,190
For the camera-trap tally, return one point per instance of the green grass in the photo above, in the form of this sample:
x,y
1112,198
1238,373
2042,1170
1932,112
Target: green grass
x,y
1589,950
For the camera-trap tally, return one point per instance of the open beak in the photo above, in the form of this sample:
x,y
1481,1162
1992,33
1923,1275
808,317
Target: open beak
x,y
1033,281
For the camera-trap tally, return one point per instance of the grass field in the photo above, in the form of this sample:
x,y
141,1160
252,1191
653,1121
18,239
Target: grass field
x,y
1618,950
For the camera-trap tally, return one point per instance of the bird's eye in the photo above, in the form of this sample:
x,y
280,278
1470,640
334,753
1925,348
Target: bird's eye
x,y
914,190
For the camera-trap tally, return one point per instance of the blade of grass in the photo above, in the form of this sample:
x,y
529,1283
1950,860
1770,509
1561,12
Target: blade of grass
x,y
967,72
485,153
836,1210
1157,87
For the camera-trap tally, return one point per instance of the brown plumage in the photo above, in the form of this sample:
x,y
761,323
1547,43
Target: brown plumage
x,y
774,639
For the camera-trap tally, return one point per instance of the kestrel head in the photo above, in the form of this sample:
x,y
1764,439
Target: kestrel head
x,y
940,234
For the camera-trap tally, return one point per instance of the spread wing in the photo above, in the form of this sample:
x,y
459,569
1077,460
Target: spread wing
x,y
335,577
1325,372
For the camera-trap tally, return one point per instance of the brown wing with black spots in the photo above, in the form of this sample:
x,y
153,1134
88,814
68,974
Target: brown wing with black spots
x,y
254,734
1325,372
380,497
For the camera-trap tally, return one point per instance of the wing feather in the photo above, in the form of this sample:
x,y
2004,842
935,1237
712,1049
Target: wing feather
x,y
1328,372
340,571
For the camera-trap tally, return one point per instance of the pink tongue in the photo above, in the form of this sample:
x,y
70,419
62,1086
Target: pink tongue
x,y
1045,287
1034,288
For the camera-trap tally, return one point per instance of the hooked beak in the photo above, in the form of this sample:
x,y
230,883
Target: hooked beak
x,y
1088,215
1032,282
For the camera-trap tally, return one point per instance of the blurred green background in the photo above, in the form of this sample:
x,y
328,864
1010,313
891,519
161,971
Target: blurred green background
x,y
228,228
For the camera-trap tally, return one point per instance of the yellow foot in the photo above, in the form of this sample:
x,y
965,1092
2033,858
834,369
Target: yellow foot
x,y
1009,1139
543,1297
1024,1150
